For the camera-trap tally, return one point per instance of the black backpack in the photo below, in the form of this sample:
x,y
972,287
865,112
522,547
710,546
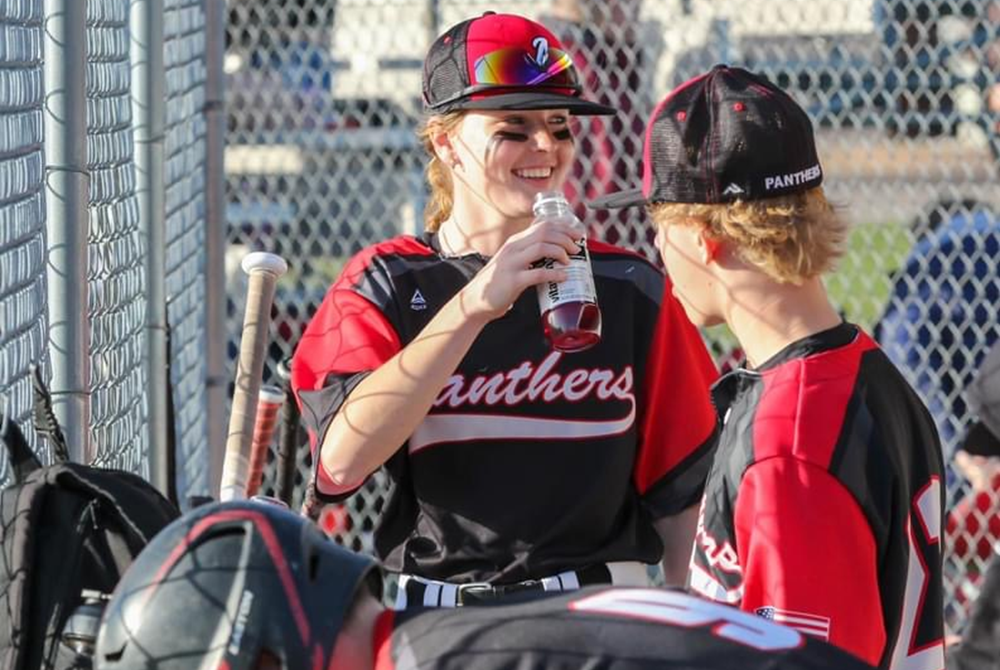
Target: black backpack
x,y
68,532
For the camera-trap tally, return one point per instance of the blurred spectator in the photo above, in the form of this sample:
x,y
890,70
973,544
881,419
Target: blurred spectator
x,y
984,400
941,319
942,314
979,647
602,38
974,524
992,61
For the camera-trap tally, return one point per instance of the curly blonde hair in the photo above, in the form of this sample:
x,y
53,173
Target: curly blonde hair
x,y
790,237
437,174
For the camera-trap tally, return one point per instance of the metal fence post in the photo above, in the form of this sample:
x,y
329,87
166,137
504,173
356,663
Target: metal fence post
x,y
67,184
216,237
148,114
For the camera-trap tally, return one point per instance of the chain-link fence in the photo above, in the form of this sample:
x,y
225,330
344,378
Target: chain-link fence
x,y
22,208
116,250
323,101
322,160
186,254
103,227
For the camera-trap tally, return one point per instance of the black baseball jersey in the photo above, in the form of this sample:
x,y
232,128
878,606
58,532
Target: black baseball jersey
x,y
598,629
531,461
823,509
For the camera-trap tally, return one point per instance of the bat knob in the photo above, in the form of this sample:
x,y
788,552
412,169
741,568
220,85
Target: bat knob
x,y
270,393
284,369
228,493
263,261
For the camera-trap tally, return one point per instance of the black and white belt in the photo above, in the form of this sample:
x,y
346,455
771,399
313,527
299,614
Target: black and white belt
x,y
415,591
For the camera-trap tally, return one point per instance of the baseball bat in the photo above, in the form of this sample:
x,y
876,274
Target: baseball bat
x,y
288,442
263,270
268,405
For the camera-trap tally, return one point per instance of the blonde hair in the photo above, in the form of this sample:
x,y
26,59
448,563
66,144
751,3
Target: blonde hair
x,y
437,174
790,237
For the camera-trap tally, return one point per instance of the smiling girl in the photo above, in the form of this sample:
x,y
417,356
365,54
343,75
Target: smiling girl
x,y
513,467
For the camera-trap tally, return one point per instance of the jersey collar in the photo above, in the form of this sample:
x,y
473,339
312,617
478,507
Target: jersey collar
x,y
434,242
842,334
732,384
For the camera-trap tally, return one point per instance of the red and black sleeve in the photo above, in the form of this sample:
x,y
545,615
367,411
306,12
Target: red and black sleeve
x,y
349,337
677,422
808,555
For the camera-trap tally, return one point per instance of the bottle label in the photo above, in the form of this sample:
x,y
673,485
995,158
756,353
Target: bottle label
x,y
578,286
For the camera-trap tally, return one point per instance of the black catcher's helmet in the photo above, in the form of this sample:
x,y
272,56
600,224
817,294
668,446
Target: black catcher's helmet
x,y
233,585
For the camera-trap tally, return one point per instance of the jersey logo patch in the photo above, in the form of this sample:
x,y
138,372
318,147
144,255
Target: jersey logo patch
x,y
810,624
417,302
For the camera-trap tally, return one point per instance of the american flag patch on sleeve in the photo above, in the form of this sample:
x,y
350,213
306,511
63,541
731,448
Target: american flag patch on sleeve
x,y
809,624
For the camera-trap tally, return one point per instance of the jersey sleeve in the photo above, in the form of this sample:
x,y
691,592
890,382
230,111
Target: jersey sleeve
x,y
677,422
347,339
809,556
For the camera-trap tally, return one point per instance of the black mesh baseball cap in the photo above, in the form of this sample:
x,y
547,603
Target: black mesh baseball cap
x,y
502,61
726,135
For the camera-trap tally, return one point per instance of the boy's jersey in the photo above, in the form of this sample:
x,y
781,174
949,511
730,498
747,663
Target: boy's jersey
x,y
598,629
823,509
531,462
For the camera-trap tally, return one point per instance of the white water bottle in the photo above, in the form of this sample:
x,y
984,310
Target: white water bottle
x,y
571,317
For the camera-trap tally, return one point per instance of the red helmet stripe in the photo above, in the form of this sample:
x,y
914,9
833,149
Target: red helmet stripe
x,y
273,548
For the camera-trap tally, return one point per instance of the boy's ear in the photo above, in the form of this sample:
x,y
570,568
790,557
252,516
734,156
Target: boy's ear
x,y
709,247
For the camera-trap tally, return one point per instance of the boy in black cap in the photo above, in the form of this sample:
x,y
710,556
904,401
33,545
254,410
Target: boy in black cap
x,y
824,506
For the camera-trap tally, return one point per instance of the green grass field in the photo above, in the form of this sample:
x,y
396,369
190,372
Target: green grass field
x,y
860,286
862,283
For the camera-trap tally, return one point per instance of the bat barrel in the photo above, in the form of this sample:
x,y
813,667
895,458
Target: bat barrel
x,y
263,269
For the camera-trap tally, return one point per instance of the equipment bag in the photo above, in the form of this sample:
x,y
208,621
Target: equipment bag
x,y
68,533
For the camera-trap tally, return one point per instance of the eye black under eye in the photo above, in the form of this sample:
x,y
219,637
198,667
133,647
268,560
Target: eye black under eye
x,y
507,135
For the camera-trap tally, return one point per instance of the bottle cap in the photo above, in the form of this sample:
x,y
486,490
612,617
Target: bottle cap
x,y
550,199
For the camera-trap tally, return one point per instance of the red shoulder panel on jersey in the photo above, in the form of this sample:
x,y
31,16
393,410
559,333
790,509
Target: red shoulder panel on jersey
x,y
804,402
348,333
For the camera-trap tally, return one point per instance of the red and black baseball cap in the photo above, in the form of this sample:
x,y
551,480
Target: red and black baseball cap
x,y
726,135
502,61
